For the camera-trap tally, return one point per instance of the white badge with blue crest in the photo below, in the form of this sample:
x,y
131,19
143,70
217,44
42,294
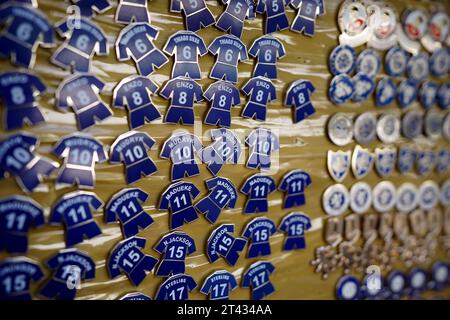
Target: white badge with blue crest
x,y
407,197
362,162
360,197
335,200
338,164
429,195
406,159
384,196
426,160
412,124
385,160
443,161
440,62
428,93
418,68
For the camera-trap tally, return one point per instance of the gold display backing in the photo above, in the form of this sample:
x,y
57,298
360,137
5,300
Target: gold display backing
x,y
303,146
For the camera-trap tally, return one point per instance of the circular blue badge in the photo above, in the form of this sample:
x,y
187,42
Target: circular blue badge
x,y
342,60
335,200
440,273
385,92
395,62
364,87
417,279
428,94
341,89
407,93
348,288
440,62
396,282
368,63
412,124
417,68
443,96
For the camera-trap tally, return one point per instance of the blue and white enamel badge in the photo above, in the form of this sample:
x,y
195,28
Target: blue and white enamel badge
x,y
368,63
340,129
360,197
438,30
342,60
445,193
348,288
384,196
406,159
443,96
440,62
407,197
365,128
335,200
388,127
440,275
433,124
412,124
364,87
395,62
429,195
341,89
385,92
385,160
417,68
338,164
382,22
426,160
428,94
443,161
418,281
407,93
413,28
353,23
362,162
396,283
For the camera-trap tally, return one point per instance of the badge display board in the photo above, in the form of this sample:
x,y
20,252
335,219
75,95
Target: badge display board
x,y
303,145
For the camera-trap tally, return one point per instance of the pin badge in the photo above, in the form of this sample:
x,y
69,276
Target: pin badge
x,y
443,96
89,7
407,197
127,258
261,91
385,92
445,193
293,185
348,288
368,63
412,124
295,224
336,200
440,275
129,11
69,267
135,42
383,22
388,128
259,246
406,159
257,276
258,187
135,296
267,49
365,128
438,30
196,13
396,282
440,62
396,61
308,10
413,28
338,164
219,284
19,159
364,87
433,124
19,270
429,195
417,281
342,89
426,160
372,287
232,19
262,143
342,60
362,162
174,247
353,24
385,160
360,197
275,10
417,68
299,97
222,243
428,94
443,161
446,127
223,96
340,129
384,196
176,287
406,93
26,29
177,199
131,149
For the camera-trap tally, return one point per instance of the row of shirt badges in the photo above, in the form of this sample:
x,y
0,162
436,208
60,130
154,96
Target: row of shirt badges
x,y
396,285
375,24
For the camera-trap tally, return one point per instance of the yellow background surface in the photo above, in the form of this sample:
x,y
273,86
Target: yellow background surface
x,y
303,146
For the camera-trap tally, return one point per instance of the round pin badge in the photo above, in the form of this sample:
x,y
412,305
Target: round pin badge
x,y
336,200
407,197
446,127
384,196
385,92
440,273
439,26
348,288
445,193
396,282
428,94
415,23
365,128
433,124
368,63
429,195
417,279
443,96
417,68
395,61
364,87
360,197
388,127
412,124
341,89
342,60
407,93
440,62
372,285
340,129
